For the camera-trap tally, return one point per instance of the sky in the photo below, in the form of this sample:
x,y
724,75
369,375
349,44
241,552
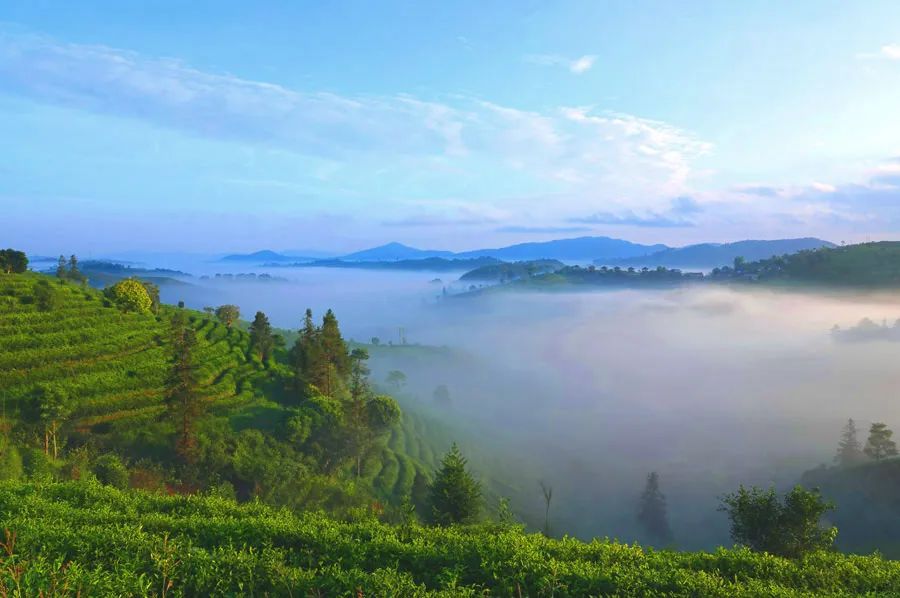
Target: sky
x,y
233,126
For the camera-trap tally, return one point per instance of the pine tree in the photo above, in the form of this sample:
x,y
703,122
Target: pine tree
x,y
61,271
849,451
183,403
305,354
334,348
455,494
261,339
74,272
879,445
652,513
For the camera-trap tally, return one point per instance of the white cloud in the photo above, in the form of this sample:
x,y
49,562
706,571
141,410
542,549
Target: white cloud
x,y
823,187
886,52
582,65
574,65
891,51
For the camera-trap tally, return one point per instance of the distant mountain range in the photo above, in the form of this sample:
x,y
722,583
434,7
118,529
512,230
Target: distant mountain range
x,y
436,264
711,255
265,256
581,249
394,251
600,250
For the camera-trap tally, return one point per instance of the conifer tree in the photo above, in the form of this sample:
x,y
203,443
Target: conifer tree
x,y
183,403
334,348
261,340
652,512
455,495
879,445
849,450
61,271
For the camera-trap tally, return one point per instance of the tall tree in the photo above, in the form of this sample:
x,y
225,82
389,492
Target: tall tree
x,y
849,450
61,270
74,273
879,445
455,494
305,354
547,492
652,512
261,340
359,372
334,348
183,402
54,406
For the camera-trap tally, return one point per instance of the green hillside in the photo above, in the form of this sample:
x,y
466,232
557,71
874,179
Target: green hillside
x,y
112,365
84,539
866,265
113,362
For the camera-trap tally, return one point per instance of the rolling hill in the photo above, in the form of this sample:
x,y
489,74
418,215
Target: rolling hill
x,y
711,255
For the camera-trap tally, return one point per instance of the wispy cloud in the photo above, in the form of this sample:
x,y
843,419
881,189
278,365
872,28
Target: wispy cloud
x,y
542,229
579,65
676,216
572,150
886,52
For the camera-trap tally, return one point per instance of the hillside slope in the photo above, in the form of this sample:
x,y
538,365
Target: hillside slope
x,y
114,365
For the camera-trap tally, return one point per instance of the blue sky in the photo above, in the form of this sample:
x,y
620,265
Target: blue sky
x,y
226,126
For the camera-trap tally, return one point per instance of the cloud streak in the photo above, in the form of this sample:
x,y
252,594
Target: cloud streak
x,y
676,216
576,66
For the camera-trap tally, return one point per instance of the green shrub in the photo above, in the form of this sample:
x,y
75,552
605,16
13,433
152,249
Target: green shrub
x,y
38,466
110,470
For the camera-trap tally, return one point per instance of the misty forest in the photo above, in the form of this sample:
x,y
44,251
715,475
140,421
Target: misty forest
x,y
449,299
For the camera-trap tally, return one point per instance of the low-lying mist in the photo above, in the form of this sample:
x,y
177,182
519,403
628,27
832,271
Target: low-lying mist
x,y
712,387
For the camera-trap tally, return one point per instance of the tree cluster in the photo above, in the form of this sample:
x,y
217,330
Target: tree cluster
x,y
13,261
68,269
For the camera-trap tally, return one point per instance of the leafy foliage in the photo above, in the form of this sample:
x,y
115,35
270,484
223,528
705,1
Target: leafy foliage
x,y
130,294
789,528
13,261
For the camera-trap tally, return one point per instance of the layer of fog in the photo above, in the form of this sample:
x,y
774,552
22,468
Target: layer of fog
x,y
710,386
